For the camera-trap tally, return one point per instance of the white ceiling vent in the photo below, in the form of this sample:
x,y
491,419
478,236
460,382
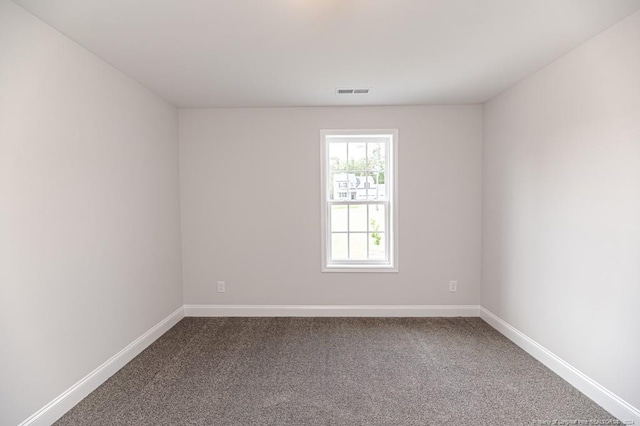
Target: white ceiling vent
x,y
352,91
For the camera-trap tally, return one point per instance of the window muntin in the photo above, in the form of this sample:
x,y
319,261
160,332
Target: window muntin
x,y
358,200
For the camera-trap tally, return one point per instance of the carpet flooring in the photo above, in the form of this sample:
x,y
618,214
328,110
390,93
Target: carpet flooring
x,y
334,371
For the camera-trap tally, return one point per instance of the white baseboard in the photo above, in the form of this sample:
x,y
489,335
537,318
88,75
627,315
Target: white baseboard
x,y
599,394
69,398
65,401
331,310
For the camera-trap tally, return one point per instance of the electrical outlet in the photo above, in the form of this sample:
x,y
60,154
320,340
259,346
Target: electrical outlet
x,y
222,287
453,285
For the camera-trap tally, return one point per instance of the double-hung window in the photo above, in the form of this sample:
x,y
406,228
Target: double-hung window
x,y
359,208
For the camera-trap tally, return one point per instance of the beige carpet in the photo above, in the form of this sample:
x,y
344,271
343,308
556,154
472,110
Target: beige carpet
x,y
333,371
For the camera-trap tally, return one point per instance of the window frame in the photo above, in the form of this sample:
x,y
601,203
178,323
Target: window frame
x,y
391,213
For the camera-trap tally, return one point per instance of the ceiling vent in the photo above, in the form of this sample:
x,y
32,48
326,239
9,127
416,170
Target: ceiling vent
x,y
352,91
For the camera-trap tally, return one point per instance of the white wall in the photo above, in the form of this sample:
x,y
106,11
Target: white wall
x,y
561,208
89,213
250,188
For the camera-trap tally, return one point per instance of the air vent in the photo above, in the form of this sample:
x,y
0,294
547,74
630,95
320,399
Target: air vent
x,y
352,91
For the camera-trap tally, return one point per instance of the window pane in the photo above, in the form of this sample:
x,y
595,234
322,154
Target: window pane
x,y
342,187
377,246
376,156
358,218
339,247
357,186
357,156
376,152
339,219
337,156
377,189
358,246
376,217
367,188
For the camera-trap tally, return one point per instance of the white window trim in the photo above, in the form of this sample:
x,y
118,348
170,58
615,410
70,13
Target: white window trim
x,y
353,266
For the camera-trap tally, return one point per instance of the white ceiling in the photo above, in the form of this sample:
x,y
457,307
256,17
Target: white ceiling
x,y
229,53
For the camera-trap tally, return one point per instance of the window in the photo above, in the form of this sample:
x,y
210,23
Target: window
x,y
359,207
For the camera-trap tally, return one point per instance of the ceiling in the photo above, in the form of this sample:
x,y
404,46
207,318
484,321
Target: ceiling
x,y
232,53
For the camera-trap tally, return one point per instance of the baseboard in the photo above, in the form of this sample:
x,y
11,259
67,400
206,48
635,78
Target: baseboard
x,y
331,310
65,401
599,394
51,412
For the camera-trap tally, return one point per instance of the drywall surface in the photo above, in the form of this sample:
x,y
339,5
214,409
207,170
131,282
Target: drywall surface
x,y
250,193
561,208
89,213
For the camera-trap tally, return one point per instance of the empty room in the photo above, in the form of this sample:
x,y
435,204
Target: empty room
x,y
319,212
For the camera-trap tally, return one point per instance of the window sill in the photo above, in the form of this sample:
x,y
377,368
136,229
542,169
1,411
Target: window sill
x,y
360,268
